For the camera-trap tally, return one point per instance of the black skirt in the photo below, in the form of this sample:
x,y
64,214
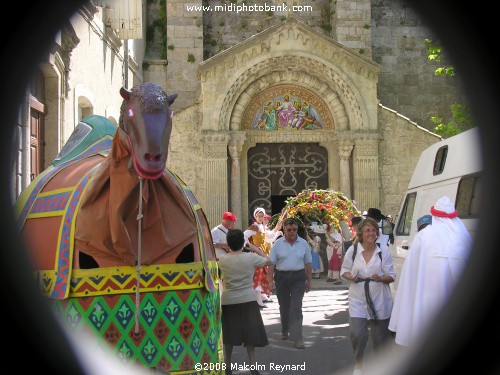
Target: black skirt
x,y
242,325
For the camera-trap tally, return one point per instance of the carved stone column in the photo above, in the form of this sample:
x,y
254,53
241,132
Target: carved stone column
x,y
215,175
235,147
345,150
366,177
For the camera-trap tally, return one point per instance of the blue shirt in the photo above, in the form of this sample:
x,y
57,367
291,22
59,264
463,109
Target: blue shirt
x,y
288,257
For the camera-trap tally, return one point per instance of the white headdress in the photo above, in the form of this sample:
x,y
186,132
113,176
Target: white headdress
x,y
257,210
450,237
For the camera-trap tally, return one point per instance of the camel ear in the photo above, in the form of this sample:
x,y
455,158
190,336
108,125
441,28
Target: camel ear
x,y
125,94
171,98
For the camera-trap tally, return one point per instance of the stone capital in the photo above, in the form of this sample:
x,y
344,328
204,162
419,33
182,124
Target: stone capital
x,y
236,144
235,150
345,150
215,144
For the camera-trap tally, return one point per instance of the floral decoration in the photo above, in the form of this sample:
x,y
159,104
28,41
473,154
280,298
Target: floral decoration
x,y
322,206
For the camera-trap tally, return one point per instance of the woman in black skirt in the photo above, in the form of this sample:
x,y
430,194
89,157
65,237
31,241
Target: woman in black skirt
x,y
241,320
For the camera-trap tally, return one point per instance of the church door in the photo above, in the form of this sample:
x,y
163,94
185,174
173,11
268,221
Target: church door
x,y
277,171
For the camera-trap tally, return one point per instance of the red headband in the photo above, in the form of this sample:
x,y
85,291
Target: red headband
x,y
438,213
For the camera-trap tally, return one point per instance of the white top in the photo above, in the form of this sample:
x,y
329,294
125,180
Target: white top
x,y
315,244
270,234
219,236
434,264
379,292
237,275
383,239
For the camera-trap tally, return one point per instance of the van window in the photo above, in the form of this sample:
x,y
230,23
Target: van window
x,y
404,224
467,203
440,160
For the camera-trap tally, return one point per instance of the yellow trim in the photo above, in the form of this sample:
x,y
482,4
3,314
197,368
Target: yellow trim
x,y
56,191
25,194
48,194
46,214
73,223
105,280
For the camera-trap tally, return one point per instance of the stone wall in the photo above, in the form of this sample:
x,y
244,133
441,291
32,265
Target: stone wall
x,y
224,29
387,31
407,82
402,143
185,150
95,74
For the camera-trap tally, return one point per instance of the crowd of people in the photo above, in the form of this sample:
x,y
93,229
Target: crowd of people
x,y
261,261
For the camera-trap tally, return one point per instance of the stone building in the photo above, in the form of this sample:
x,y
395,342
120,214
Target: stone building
x,y
272,105
269,102
82,75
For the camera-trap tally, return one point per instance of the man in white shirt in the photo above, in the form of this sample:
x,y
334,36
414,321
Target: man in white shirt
x,y
219,234
383,239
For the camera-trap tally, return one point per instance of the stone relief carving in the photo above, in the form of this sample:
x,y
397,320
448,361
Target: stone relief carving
x,y
286,107
310,68
366,149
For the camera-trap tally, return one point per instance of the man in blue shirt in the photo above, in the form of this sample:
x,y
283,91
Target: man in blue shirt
x,y
292,259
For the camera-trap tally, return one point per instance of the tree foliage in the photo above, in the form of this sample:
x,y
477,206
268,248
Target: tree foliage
x,y
460,113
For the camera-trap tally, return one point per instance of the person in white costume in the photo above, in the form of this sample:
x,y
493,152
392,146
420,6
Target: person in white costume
x,y
434,264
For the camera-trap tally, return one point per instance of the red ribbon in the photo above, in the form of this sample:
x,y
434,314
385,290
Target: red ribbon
x,y
438,213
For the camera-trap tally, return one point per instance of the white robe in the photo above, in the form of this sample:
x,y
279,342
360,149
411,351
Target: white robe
x,y
433,266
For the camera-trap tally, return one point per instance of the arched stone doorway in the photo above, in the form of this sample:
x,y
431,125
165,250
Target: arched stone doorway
x,y
279,170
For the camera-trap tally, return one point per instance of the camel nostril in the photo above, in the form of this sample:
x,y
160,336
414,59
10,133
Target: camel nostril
x,y
150,157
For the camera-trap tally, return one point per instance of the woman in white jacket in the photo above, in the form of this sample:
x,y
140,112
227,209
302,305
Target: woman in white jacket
x,y
370,270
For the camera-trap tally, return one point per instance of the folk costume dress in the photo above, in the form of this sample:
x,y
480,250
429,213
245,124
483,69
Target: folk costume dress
x,y
316,264
258,238
334,241
256,234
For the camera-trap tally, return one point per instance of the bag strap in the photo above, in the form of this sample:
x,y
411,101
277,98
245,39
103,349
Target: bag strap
x,y
356,251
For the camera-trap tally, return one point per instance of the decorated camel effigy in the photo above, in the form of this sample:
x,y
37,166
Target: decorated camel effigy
x,y
120,245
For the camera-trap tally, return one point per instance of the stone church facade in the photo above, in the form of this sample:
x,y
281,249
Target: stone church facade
x,y
285,110
269,103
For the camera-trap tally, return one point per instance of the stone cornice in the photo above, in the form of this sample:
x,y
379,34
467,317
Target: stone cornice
x,y
363,135
105,33
256,136
209,136
407,120
312,40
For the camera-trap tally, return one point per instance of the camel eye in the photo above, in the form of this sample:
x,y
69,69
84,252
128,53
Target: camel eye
x,y
130,112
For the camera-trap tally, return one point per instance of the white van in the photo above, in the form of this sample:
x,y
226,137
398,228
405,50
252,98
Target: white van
x,y
451,167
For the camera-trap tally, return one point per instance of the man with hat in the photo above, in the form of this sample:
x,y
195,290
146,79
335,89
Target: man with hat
x,y
434,264
423,222
219,234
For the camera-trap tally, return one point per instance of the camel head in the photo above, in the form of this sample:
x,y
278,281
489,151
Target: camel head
x,y
146,119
